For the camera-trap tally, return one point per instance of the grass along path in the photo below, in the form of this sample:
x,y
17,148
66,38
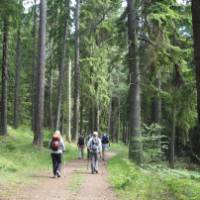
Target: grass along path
x,y
20,162
152,181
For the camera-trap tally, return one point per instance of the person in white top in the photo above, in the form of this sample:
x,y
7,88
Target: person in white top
x,y
95,147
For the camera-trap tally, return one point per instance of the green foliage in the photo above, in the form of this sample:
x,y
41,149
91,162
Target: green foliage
x,y
151,181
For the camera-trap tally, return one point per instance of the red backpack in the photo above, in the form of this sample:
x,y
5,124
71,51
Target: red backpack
x,y
55,143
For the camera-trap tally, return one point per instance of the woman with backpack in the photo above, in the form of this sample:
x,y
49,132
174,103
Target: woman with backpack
x,y
57,147
95,147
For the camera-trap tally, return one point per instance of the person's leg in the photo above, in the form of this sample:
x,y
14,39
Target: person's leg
x,y
82,152
96,162
88,154
103,153
79,152
92,162
59,163
53,156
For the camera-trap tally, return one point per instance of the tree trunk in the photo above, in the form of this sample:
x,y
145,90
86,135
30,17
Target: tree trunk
x,y
118,132
61,77
69,101
109,116
157,110
113,119
91,119
34,67
49,107
39,106
81,119
17,80
196,36
135,147
172,139
156,104
3,125
76,75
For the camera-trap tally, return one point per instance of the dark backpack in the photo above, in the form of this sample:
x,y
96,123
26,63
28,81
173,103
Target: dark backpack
x,y
55,144
105,139
94,145
80,141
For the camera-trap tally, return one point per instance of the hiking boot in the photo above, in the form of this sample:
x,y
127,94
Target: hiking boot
x,y
58,174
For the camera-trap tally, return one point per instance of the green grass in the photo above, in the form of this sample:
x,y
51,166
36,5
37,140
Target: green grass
x,y
20,160
151,182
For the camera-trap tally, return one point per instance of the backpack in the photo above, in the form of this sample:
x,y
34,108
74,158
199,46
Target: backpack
x,y
105,139
55,143
80,141
94,145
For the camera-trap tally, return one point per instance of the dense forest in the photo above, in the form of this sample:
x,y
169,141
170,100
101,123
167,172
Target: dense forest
x,y
130,69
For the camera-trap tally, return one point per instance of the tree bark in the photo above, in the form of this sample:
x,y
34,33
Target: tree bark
x,y
17,80
69,101
156,104
61,76
76,75
172,139
34,67
49,107
196,36
39,106
91,119
135,147
3,125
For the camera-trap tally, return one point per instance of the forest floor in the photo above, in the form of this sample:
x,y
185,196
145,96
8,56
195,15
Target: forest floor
x,y
76,183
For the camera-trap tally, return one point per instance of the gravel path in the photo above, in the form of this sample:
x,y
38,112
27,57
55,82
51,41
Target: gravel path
x,y
76,183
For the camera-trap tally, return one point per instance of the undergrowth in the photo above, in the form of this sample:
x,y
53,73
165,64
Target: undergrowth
x,y
151,182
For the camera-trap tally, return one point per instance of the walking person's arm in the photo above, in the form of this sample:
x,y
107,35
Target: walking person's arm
x,y
100,148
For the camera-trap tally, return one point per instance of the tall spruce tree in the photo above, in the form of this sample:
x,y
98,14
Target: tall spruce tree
x,y
39,103
135,147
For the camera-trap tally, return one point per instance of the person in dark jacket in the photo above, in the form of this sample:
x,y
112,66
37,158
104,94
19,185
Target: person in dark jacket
x,y
81,145
57,147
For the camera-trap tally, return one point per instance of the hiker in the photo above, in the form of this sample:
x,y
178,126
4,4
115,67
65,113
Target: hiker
x,y
86,141
81,146
57,147
95,147
105,144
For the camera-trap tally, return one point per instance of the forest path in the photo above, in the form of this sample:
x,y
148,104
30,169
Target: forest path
x,y
76,183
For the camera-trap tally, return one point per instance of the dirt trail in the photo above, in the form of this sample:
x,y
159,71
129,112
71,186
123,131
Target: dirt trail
x,y
76,183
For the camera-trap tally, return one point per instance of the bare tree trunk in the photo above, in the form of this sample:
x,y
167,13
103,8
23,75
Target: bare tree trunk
x,y
49,107
77,75
156,104
17,80
118,135
196,36
3,125
39,106
81,119
172,139
69,101
91,119
34,67
109,116
157,110
61,76
135,147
